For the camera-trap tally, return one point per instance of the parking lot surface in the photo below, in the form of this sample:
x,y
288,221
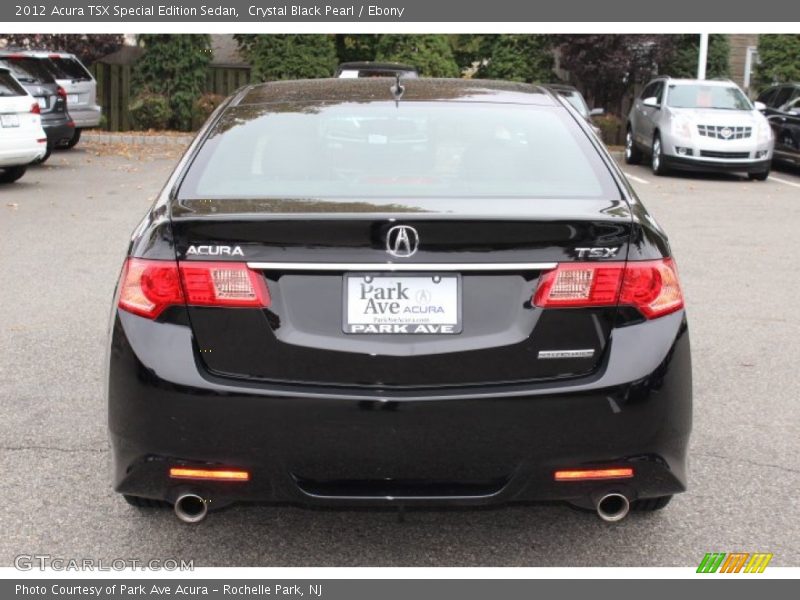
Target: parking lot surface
x,y
64,228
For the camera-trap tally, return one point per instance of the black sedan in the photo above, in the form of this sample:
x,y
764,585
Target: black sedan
x,y
354,292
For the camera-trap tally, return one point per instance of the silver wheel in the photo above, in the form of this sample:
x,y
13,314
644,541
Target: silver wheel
x,y
632,154
657,160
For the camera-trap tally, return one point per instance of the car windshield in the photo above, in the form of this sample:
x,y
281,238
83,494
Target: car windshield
x,y
27,69
577,101
707,96
383,150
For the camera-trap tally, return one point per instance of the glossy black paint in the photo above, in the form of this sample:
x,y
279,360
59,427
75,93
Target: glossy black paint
x,y
321,417
783,113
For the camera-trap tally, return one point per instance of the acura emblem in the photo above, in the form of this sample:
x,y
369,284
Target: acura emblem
x,y
402,241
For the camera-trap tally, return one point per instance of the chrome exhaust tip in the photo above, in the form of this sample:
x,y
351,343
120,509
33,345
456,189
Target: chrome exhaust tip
x,y
191,508
613,507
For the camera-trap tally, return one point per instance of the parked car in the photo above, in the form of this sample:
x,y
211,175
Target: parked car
x,y
343,296
353,70
578,102
81,87
782,109
22,139
699,125
36,77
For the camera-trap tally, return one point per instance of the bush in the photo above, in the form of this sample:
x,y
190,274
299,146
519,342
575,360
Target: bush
x,y
176,67
431,54
779,60
526,58
297,56
203,107
611,129
150,111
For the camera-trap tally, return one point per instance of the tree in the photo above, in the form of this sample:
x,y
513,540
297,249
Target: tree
x,y
684,51
779,59
88,48
513,57
174,66
468,50
356,47
431,54
297,56
607,66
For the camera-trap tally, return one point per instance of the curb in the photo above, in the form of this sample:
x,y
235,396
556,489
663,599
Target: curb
x,y
138,140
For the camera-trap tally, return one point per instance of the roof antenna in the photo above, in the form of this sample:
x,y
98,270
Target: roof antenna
x,y
398,89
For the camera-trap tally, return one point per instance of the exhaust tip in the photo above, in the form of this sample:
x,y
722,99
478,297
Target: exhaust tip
x,y
613,507
191,508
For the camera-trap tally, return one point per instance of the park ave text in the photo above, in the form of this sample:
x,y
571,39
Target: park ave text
x,y
351,11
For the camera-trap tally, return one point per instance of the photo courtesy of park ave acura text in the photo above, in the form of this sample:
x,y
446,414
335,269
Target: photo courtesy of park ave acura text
x,y
398,299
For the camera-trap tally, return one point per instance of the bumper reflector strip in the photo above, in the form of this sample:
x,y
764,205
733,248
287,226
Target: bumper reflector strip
x,y
579,475
227,475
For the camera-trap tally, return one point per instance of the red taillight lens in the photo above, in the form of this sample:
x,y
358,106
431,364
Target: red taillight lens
x,y
149,286
36,109
223,284
650,286
62,92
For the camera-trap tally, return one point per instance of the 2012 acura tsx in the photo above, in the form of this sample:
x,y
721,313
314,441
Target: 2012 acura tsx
x,y
397,293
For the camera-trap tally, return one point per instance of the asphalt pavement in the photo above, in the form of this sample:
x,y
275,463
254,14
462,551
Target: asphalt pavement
x,y
64,229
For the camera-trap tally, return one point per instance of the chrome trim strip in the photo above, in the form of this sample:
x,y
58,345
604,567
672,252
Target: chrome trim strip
x,y
309,266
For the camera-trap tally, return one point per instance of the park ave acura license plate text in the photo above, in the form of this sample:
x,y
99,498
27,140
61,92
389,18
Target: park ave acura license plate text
x,y
408,304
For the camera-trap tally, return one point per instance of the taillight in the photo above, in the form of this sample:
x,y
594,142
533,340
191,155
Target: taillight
x,y
650,286
36,109
62,92
147,287
223,284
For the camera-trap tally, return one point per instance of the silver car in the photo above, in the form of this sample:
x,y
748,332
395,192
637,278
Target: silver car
x,y
81,89
698,125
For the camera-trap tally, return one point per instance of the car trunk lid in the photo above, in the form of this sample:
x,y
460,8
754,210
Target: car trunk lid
x,y
313,262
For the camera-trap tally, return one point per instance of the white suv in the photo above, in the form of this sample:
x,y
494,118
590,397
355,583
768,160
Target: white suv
x,y
699,125
22,139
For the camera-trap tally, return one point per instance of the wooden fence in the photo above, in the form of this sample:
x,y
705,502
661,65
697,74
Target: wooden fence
x,y
114,90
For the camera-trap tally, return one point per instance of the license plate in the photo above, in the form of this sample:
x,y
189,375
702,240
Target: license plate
x,y
402,304
42,102
9,120
72,98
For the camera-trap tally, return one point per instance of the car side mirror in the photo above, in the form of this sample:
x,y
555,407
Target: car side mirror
x,y
597,112
652,102
760,105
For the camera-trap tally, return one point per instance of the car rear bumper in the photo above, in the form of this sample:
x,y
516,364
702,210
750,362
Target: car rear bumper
x,y
85,117
480,446
57,130
20,152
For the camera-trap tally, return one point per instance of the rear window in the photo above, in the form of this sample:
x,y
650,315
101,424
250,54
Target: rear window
x,y
71,68
28,70
9,86
382,150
